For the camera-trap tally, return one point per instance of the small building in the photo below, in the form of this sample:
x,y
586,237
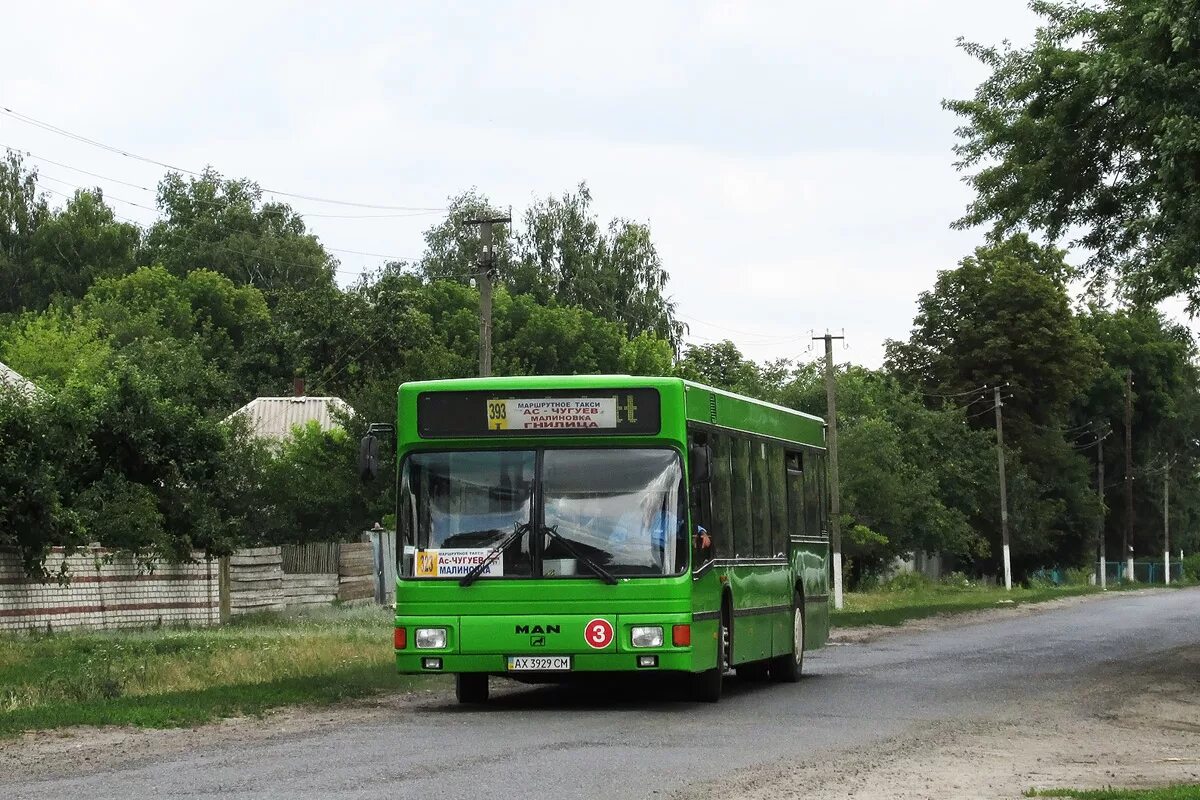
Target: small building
x,y
10,379
275,417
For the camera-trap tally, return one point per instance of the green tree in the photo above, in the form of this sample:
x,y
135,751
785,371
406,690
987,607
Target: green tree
x,y
311,486
1003,318
203,336
54,346
76,246
210,222
1095,128
561,254
1161,357
721,364
34,513
22,212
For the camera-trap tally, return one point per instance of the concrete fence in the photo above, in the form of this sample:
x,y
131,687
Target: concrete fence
x,y
104,589
108,590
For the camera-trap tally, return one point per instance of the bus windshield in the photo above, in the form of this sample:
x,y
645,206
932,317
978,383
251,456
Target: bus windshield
x,y
620,508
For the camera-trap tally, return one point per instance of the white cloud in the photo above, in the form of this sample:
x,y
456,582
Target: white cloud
x,y
792,159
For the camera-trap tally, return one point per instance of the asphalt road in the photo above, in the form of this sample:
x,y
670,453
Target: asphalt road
x,y
539,742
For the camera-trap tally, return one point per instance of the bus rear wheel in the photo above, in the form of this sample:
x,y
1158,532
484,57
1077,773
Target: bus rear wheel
x,y
471,687
788,667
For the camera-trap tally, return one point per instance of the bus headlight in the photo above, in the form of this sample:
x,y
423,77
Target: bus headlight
x,y
646,636
431,638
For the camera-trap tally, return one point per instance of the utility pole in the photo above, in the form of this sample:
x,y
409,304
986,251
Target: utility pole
x,y
1167,521
1127,541
1103,516
1003,490
835,501
487,268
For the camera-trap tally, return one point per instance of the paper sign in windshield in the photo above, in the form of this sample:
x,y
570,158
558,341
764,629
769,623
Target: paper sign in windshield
x,y
455,563
568,413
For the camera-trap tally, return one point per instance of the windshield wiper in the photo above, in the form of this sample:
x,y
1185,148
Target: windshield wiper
x,y
504,544
600,571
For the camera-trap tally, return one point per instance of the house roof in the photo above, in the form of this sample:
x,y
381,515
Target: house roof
x,y
275,417
12,380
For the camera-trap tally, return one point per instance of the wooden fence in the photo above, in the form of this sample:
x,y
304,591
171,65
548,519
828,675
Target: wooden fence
x,y
356,572
255,581
314,557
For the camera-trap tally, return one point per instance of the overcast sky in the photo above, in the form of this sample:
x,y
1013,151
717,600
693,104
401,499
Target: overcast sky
x,y
792,159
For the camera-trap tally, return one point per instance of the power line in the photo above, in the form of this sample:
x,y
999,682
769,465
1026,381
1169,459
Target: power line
x,y
212,203
976,390
37,123
222,246
774,339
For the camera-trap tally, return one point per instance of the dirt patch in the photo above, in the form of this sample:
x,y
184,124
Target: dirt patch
x,y
869,633
1141,729
86,749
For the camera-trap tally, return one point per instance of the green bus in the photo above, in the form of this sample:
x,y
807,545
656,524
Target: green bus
x,y
553,526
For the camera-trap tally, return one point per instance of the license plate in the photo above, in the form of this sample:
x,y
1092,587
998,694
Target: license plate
x,y
539,663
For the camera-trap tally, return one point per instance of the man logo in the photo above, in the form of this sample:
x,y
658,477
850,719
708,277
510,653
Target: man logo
x,y
537,641
537,629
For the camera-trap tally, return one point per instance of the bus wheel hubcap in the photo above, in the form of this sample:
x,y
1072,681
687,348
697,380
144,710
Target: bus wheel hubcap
x,y
798,635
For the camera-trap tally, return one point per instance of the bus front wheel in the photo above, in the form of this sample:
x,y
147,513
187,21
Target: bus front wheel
x,y
708,684
788,667
471,687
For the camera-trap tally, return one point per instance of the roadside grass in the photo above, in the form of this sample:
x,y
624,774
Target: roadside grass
x,y
1188,792
918,600
184,676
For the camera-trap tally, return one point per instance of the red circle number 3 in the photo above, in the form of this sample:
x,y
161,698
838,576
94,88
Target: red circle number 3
x,y
598,633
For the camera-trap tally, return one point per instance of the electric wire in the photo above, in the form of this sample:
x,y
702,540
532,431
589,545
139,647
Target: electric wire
x,y
46,126
407,259
211,203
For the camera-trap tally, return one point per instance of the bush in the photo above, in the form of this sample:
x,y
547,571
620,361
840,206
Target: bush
x,y
908,582
1040,580
1078,576
1191,567
957,580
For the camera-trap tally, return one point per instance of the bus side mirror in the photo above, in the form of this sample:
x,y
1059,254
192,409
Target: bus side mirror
x,y
368,457
700,464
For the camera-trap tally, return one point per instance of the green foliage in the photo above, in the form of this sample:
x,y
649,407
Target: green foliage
x,y
563,256
34,514
1003,318
310,488
54,347
908,582
1191,567
219,224
1078,576
1095,128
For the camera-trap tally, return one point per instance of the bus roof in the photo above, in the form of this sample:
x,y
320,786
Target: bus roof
x,y
586,381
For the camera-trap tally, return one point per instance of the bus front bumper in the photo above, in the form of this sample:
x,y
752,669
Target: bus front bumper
x,y
519,644
427,663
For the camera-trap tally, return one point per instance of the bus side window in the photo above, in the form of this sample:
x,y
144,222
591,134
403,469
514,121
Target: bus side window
x,y
743,525
760,490
777,480
812,496
700,499
722,496
795,493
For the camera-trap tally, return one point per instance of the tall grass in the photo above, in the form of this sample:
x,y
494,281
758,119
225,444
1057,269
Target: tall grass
x,y
183,676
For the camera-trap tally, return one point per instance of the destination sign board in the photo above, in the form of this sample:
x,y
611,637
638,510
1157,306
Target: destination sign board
x,y
538,413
